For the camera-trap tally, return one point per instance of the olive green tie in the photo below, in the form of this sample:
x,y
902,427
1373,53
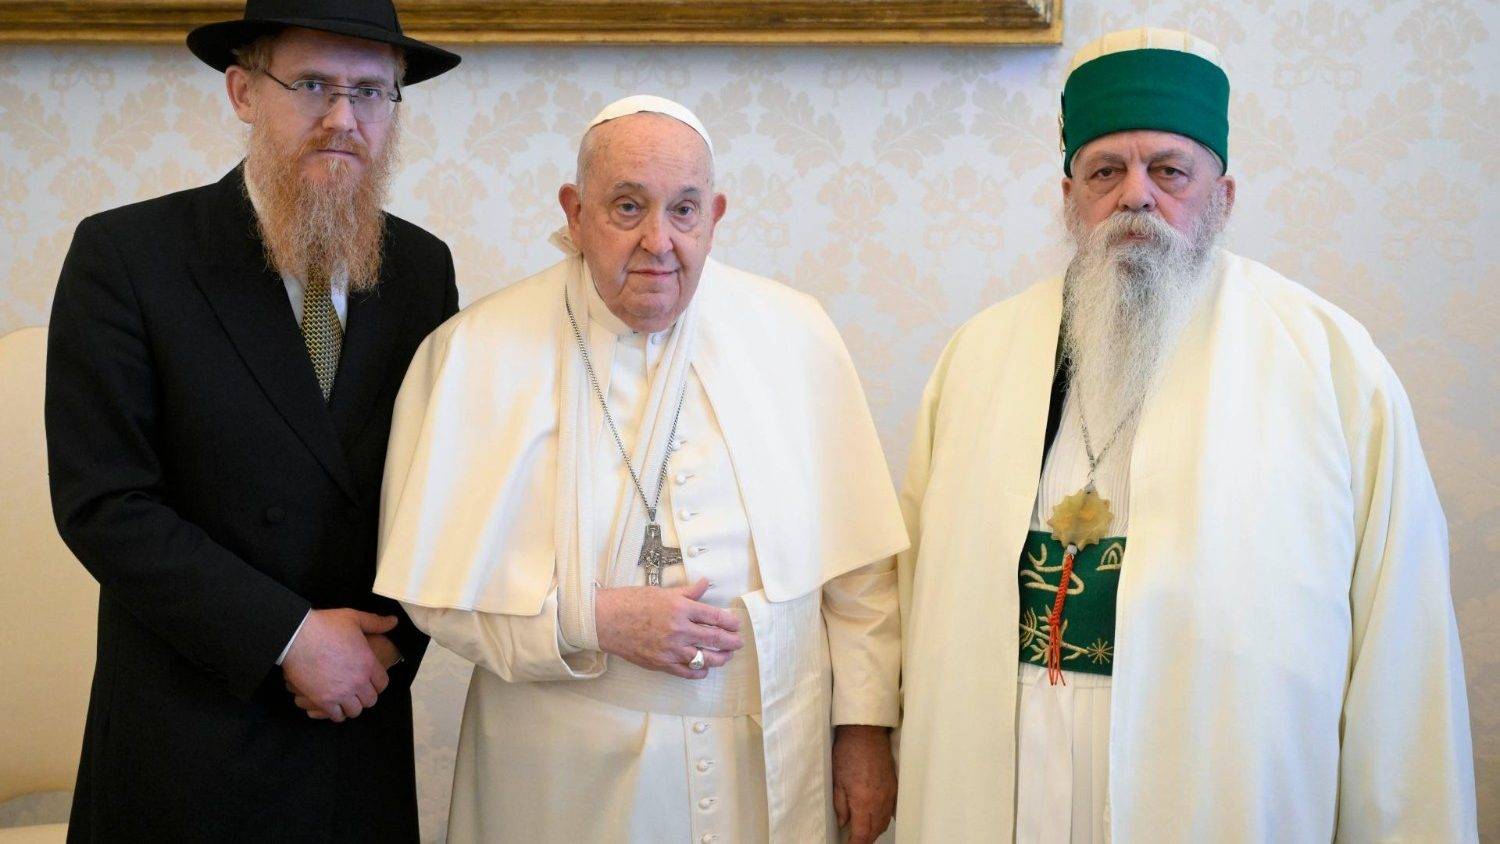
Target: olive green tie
x,y
321,330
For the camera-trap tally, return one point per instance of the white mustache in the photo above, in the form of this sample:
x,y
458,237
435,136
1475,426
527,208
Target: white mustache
x,y
1123,224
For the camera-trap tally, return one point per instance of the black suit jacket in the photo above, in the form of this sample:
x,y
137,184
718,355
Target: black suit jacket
x,y
200,477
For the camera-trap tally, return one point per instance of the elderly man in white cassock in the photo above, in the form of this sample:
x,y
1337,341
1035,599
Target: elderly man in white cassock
x,y
642,492
1178,571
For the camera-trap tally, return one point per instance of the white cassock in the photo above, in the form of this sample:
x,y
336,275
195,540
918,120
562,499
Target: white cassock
x,y
501,465
1286,659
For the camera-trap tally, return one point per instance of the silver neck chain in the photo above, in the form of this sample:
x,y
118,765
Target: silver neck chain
x,y
1088,445
661,479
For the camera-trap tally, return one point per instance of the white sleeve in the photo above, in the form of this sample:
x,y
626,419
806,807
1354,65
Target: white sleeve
x,y
861,614
1406,771
516,648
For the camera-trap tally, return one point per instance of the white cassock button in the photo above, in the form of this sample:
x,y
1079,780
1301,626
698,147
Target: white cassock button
x,y
704,765
696,550
710,838
706,803
679,444
700,727
685,514
682,478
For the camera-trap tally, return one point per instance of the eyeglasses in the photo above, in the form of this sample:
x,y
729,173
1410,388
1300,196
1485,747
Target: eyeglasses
x,y
314,98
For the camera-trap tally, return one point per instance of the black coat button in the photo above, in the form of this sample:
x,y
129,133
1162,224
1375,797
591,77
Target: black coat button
x,y
275,515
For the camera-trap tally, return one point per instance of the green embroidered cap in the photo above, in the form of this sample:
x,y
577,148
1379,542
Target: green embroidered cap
x,y
1146,79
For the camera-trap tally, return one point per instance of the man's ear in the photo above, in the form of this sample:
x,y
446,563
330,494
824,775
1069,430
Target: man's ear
x,y
1229,186
571,200
1067,188
721,204
237,84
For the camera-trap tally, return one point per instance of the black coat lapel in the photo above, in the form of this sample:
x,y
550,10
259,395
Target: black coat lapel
x,y
1062,372
371,336
251,303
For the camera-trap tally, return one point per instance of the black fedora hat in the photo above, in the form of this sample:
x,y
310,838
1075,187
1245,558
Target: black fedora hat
x,y
373,20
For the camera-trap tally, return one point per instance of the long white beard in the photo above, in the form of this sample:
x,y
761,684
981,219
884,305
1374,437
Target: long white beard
x,y
1125,303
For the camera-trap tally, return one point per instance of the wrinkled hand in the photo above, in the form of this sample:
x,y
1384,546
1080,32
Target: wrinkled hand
x,y
660,629
864,780
332,667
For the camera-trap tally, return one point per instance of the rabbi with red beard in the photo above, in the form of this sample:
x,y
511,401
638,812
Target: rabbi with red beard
x,y
221,369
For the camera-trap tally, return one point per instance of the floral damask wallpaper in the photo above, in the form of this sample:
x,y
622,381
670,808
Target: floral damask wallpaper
x,y
906,188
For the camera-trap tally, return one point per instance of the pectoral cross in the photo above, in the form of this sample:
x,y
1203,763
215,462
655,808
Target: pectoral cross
x,y
654,555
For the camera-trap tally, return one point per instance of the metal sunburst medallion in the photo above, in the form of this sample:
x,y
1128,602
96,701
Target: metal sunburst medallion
x,y
1080,519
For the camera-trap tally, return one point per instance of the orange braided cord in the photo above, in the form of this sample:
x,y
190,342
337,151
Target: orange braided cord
x,y
1054,620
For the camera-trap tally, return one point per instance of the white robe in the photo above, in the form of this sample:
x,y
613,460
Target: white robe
x,y
1287,664
560,743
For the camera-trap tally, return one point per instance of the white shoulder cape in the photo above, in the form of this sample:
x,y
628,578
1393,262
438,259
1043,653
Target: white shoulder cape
x,y
475,431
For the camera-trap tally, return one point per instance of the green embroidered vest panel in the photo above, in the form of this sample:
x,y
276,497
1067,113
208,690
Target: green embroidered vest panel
x,y
1088,619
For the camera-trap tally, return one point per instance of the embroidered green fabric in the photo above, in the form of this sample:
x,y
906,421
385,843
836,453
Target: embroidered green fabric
x,y
1088,619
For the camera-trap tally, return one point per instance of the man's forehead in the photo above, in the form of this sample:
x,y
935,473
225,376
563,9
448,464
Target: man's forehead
x,y
652,179
1144,143
650,152
634,185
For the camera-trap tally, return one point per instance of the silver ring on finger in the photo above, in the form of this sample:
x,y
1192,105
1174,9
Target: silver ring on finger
x,y
697,662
